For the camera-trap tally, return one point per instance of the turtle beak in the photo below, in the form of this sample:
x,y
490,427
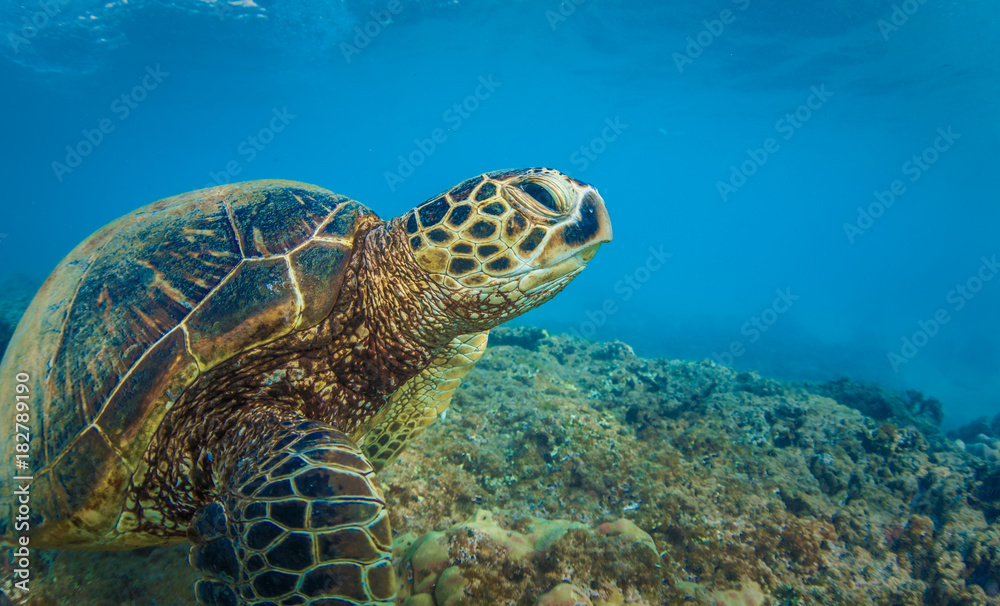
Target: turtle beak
x,y
573,243
603,233
581,235
588,253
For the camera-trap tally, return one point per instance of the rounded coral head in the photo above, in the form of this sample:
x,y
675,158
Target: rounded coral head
x,y
507,241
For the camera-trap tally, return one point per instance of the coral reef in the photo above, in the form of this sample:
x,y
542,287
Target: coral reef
x,y
980,438
911,408
982,426
556,561
737,478
569,472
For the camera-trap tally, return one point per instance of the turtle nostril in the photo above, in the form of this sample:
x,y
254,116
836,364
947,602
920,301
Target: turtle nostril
x,y
541,194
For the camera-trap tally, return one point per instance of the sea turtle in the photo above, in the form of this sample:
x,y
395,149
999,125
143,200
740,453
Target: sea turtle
x,y
232,366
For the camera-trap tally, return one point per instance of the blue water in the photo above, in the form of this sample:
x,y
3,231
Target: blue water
x,y
734,143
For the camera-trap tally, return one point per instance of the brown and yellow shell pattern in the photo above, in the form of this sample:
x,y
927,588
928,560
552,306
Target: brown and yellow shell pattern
x,y
153,300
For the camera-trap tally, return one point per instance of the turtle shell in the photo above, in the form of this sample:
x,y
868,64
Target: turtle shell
x,y
137,311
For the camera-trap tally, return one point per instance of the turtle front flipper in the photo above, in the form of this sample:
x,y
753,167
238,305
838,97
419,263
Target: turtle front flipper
x,y
302,520
419,401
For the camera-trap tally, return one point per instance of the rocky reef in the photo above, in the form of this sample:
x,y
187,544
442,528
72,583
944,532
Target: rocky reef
x,y
569,472
481,559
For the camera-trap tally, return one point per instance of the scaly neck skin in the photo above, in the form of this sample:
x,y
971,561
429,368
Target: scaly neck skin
x,y
406,314
402,305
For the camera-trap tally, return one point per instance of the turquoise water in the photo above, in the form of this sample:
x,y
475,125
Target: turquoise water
x,y
804,189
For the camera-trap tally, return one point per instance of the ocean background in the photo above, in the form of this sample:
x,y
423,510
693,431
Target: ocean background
x,y
748,153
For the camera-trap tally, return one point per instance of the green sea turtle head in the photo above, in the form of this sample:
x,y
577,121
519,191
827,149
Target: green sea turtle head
x,y
505,242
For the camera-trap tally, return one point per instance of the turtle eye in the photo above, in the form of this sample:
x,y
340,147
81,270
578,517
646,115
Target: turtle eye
x,y
541,194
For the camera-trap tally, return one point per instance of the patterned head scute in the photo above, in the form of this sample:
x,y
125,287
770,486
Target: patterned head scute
x,y
509,239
